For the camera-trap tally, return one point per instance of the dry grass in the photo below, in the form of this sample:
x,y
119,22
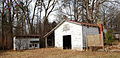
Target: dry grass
x,y
57,53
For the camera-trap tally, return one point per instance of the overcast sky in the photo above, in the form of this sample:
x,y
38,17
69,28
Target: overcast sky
x,y
51,17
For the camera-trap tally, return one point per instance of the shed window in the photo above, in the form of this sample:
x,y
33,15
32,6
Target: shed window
x,y
30,45
116,35
66,27
35,45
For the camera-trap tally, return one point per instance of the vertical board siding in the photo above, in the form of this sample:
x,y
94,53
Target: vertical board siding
x,y
89,31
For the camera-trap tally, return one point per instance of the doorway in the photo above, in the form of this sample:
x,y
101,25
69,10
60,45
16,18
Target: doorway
x,y
50,41
67,42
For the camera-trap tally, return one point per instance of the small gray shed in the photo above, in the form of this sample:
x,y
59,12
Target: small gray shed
x,y
26,42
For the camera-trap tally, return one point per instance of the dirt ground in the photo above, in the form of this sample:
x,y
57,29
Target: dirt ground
x,y
57,53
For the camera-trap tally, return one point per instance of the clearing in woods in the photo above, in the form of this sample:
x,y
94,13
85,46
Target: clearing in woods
x,y
56,53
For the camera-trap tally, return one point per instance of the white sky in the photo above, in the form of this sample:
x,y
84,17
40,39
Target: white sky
x,y
51,18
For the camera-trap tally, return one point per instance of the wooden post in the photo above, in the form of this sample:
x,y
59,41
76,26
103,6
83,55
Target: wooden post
x,y
101,34
46,42
14,47
91,48
86,44
102,40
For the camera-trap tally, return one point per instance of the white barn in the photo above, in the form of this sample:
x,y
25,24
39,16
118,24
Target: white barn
x,y
72,35
26,42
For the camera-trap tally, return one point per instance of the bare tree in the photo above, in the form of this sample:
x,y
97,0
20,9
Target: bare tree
x,y
84,10
7,23
48,7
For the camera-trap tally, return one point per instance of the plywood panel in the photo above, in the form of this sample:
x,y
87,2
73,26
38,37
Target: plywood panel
x,y
95,40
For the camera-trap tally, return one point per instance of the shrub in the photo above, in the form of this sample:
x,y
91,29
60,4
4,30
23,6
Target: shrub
x,y
109,39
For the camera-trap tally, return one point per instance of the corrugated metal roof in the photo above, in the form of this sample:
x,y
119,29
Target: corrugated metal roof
x,y
86,24
27,36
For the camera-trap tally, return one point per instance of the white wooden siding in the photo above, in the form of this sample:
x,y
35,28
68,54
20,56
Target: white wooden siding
x,y
76,35
25,42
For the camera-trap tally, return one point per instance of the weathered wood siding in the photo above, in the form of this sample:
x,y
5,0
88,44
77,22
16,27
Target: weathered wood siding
x,y
95,40
89,31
